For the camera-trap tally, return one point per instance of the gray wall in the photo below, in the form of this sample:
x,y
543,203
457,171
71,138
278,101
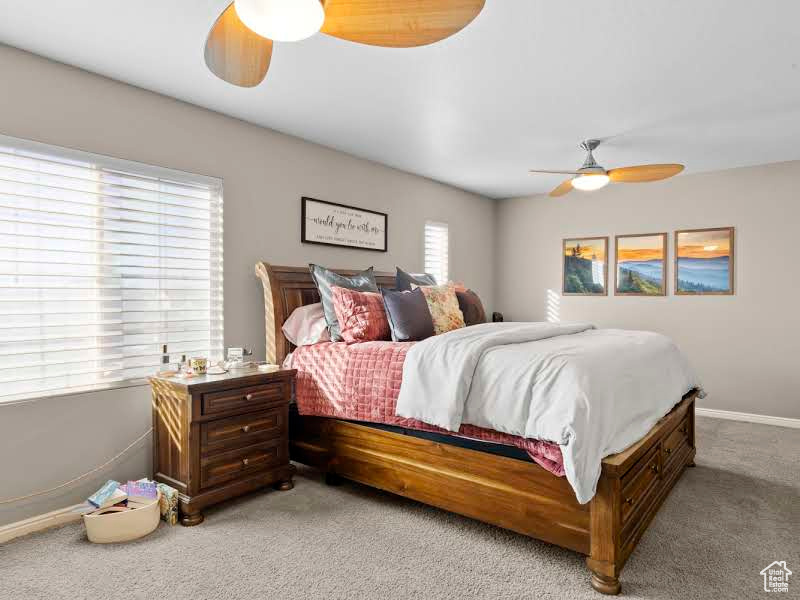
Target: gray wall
x,y
743,346
48,441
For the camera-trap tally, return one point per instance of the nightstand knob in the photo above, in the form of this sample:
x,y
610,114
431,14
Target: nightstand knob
x,y
684,429
248,397
245,461
246,428
629,501
654,468
668,450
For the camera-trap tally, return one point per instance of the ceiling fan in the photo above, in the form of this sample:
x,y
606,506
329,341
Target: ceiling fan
x,y
592,176
239,45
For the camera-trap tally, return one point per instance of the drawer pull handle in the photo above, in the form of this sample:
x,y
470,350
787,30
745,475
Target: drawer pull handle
x,y
245,461
248,397
668,450
246,428
654,468
629,501
684,430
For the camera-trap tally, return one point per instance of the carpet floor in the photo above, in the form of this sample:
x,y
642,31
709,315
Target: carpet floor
x,y
727,519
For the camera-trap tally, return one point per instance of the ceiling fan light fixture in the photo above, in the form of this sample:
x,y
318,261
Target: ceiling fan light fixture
x,y
282,20
590,182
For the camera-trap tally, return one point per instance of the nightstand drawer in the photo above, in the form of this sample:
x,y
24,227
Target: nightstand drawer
x,y
220,468
242,399
243,430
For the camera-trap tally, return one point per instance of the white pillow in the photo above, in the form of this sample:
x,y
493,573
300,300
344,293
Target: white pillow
x,y
306,325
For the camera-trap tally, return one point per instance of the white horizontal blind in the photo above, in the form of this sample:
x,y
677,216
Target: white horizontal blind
x,y
436,251
102,262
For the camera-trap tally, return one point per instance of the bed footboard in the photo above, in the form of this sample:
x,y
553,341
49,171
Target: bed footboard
x,y
511,493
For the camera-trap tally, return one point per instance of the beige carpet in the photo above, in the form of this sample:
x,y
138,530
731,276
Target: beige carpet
x,y
727,519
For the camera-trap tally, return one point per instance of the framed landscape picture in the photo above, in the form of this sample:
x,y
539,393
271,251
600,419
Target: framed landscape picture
x,y
641,265
704,262
332,224
585,268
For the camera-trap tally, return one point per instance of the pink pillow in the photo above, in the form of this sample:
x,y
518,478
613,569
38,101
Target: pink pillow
x,y
361,315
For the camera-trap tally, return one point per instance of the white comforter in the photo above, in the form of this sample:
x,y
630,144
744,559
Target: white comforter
x,y
594,392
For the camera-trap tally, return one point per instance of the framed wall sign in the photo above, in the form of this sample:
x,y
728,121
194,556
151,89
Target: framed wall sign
x,y
334,224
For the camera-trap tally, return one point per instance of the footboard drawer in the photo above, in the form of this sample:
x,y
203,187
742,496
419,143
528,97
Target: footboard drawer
x,y
639,481
674,443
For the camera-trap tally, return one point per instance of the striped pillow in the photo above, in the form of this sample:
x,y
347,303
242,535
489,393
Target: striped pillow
x,y
361,315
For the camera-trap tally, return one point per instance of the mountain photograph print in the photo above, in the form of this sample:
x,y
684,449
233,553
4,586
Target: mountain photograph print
x,y
585,271
641,265
704,261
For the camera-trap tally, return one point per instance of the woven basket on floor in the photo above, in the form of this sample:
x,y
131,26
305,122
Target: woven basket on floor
x,y
111,527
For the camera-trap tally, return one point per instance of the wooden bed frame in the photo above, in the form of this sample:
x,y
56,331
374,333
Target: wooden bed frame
x,y
507,492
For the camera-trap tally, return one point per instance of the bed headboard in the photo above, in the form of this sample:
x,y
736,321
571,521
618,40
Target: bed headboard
x,y
286,288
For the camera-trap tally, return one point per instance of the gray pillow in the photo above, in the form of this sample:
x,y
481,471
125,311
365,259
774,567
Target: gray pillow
x,y
404,280
409,317
325,278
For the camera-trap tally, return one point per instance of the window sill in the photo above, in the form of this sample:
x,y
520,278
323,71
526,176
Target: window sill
x,y
89,389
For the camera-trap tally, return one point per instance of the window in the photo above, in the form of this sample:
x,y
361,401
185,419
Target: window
x,y
102,262
436,244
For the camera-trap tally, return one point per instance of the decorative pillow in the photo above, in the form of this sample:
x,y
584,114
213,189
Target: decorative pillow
x,y
409,317
471,307
404,280
325,278
443,306
361,315
306,325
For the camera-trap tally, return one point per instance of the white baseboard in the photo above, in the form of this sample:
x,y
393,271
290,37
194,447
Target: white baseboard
x,y
747,417
56,518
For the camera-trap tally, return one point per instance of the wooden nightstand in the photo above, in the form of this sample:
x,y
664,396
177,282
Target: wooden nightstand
x,y
219,436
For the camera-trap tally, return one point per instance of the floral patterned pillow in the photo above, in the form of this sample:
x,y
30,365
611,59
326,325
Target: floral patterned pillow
x,y
443,304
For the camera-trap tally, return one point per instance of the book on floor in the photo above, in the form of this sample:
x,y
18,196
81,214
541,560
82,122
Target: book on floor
x,y
141,493
108,495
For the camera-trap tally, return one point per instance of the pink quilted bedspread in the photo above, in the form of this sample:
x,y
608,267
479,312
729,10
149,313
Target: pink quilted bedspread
x,y
361,382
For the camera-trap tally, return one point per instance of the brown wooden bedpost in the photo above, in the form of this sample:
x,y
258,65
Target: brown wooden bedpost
x,y
272,322
605,558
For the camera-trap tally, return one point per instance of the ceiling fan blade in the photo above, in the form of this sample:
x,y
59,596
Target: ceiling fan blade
x,y
644,173
398,23
562,189
236,54
554,172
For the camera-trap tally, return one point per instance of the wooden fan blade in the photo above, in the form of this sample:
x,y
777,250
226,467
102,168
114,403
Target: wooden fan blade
x,y
644,173
564,188
235,53
398,23
554,172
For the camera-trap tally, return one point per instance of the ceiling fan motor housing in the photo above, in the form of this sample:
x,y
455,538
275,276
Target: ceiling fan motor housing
x,y
590,165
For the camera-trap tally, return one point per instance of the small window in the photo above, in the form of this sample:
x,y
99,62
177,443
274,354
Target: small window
x,y
437,261
102,263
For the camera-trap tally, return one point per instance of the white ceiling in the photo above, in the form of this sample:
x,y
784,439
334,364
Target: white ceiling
x,y
709,83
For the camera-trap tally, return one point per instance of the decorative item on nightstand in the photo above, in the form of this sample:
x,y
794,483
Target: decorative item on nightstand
x,y
220,436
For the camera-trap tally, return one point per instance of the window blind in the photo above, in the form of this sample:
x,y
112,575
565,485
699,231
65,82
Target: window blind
x,y
436,251
102,262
